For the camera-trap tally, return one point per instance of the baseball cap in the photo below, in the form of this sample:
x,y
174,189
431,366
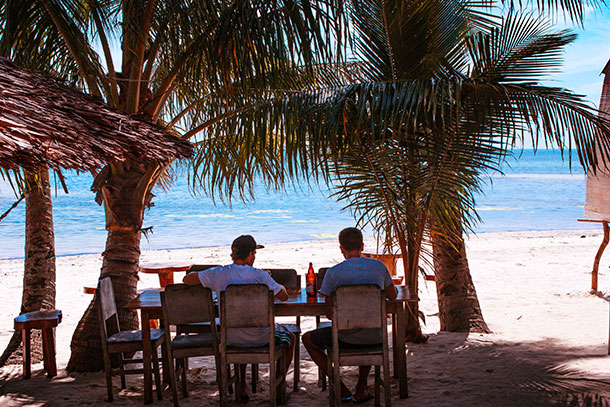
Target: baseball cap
x,y
245,244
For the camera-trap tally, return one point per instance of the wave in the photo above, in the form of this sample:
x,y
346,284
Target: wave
x,y
303,221
499,208
323,236
565,177
210,215
271,211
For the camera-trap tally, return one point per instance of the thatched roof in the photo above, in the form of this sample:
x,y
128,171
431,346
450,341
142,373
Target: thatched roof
x,y
45,123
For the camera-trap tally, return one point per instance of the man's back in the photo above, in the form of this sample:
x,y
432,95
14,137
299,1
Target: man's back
x,y
219,278
357,270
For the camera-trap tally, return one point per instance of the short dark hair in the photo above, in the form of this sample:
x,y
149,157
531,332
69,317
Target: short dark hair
x,y
350,239
243,246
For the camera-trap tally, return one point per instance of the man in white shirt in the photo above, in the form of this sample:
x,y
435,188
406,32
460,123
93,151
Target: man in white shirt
x,y
243,254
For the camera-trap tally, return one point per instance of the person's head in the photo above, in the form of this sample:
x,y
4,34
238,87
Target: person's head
x,y
243,250
351,242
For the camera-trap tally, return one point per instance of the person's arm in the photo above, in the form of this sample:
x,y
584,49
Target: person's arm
x,y
192,278
282,295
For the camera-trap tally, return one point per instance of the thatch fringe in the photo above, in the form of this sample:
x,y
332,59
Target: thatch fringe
x,y
44,123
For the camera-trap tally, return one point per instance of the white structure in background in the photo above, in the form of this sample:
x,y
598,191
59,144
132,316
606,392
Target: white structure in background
x,y
597,201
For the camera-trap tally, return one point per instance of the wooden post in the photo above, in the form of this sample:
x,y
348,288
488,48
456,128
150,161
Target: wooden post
x,y
598,256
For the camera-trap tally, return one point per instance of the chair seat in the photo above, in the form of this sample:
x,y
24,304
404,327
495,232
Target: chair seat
x,y
192,341
294,328
359,350
197,327
260,349
134,336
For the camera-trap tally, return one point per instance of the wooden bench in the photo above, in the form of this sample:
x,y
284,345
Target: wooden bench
x,y
46,321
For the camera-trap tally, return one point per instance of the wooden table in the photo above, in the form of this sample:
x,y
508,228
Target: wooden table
x,y
165,270
149,304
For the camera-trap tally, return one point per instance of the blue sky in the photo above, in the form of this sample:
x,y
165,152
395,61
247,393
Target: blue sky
x,y
585,58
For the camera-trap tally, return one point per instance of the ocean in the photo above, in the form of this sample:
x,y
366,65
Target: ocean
x,y
537,192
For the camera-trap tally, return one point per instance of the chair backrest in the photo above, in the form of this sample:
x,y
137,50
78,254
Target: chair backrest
x,y
108,318
320,277
246,306
358,306
185,304
200,267
286,277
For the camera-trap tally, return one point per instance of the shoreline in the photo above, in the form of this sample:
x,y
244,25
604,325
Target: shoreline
x,y
549,336
330,239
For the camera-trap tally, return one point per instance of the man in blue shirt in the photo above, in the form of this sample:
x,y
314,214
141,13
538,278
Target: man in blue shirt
x,y
354,270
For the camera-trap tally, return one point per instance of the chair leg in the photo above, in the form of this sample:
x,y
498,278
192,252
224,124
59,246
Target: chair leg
x,y
377,383
272,383
230,386
108,374
172,374
157,372
184,364
254,376
121,369
331,388
337,383
225,372
387,394
297,361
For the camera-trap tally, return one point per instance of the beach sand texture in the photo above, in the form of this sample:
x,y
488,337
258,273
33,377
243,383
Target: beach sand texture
x,y
548,347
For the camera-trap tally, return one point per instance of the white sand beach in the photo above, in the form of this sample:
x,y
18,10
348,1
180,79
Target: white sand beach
x,y
548,347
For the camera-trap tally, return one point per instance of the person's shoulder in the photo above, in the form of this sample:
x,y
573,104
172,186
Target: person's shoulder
x,y
373,263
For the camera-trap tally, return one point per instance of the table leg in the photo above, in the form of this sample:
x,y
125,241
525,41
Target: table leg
x,y
401,362
27,356
146,356
166,278
48,346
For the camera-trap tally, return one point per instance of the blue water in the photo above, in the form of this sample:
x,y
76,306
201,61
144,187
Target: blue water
x,y
537,192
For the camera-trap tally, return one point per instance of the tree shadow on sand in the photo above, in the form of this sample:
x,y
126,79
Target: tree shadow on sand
x,y
452,369
482,370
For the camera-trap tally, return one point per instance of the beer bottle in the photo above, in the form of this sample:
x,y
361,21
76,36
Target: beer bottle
x,y
311,289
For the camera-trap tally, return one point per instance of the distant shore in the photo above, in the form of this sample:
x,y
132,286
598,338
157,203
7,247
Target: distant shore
x,y
533,288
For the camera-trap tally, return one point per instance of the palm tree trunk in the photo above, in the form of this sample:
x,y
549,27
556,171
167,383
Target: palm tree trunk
x,y
459,309
39,264
126,193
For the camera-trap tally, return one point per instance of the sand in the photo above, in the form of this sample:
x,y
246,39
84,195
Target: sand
x,y
548,347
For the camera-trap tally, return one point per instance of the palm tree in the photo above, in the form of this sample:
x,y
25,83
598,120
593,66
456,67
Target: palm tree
x,y
436,96
184,65
491,97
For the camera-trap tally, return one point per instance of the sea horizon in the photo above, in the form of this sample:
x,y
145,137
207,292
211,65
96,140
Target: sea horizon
x,y
536,193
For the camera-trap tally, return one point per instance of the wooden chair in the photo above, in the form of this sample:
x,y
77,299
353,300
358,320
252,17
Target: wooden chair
x,y
197,327
250,306
359,307
292,281
115,341
319,279
186,304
